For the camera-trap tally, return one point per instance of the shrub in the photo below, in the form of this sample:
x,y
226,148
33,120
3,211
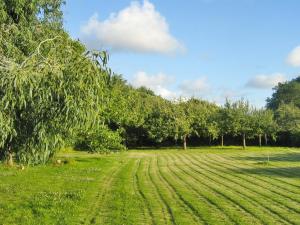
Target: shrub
x,y
100,140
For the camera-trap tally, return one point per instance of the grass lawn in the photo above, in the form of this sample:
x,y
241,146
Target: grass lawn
x,y
197,186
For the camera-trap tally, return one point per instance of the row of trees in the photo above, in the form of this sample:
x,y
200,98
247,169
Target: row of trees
x,y
54,93
142,118
164,121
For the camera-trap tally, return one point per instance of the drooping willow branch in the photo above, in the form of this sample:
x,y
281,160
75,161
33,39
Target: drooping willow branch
x,y
37,51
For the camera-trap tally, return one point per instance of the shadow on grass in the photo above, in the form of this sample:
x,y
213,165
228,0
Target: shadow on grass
x,y
286,157
288,172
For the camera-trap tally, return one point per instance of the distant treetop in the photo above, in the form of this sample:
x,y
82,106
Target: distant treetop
x,y
285,93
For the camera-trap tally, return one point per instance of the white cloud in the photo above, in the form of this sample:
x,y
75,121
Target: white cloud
x,y
194,87
165,93
266,81
294,57
143,79
138,28
161,84
158,83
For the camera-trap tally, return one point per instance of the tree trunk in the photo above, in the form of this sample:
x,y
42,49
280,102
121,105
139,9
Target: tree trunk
x,y
184,142
244,141
222,140
10,161
259,140
209,140
266,139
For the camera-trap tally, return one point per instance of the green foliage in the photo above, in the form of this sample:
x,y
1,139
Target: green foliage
x,y
182,120
285,102
263,123
195,117
24,24
31,11
159,123
49,87
234,119
223,118
45,98
203,116
240,115
99,140
288,119
285,93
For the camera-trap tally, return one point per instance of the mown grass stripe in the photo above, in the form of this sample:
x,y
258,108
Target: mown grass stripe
x,y
203,180
270,180
227,193
273,209
231,192
207,196
123,205
181,215
285,172
182,212
269,189
269,201
141,193
162,197
102,194
161,215
186,203
296,186
277,206
280,171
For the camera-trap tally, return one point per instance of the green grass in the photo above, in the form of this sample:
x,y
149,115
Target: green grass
x,y
197,186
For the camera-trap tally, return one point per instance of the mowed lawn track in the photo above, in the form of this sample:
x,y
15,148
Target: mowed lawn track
x,y
199,186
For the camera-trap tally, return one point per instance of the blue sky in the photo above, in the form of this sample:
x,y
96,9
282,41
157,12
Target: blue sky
x,y
211,49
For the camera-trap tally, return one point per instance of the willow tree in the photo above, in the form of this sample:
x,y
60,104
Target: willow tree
x,y
47,97
49,86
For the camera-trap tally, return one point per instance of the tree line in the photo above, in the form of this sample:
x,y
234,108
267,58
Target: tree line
x,y
56,93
